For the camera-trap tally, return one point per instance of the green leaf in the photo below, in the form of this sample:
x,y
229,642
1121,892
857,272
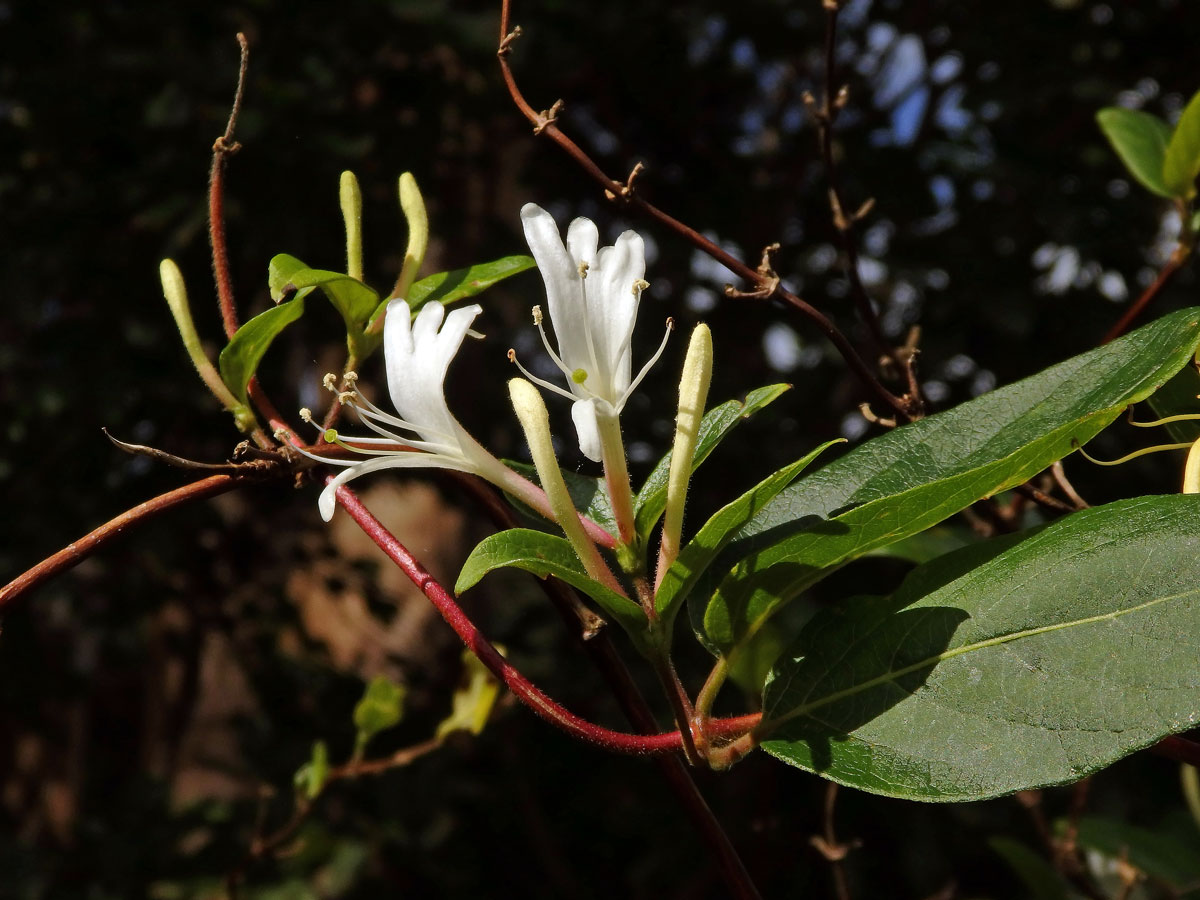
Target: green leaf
x,y
239,360
1009,665
543,555
1182,161
1171,852
909,479
682,575
1038,875
355,301
473,701
381,707
450,287
1140,139
716,424
310,778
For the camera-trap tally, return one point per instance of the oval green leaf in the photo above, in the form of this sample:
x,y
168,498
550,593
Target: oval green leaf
x,y
1182,162
450,287
1006,666
909,479
543,555
240,358
1140,140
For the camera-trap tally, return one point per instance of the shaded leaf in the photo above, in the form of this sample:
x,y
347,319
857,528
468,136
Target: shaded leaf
x,y
310,778
681,576
1017,663
1170,852
909,479
1035,872
651,500
1140,140
381,707
240,358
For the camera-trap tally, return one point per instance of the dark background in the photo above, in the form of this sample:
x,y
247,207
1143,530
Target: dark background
x,y
149,697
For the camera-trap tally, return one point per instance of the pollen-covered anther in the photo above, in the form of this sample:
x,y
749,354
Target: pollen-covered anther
x,y
583,269
330,381
306,415
351,378
347,398
537,315
670,323
512,355
640,285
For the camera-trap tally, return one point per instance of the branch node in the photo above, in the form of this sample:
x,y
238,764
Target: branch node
x,y
625,192
508,40
225,147
870,416
547,117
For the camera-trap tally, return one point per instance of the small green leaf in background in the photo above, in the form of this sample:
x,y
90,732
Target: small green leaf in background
x,y
1035,872
450,287
381,707
1170,852
310,778
474,699
651,500
1140,140
1182,162
1017,663
240,358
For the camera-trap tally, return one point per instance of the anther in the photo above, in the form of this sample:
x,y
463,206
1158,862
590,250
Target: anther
x,y
640,285
306,414
351,378
583,269
512,355
537,315
330,381
347,398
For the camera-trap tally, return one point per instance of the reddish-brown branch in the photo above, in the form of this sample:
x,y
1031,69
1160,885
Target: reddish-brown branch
x,y
224,147
522,688
77,551
1173,265
623,193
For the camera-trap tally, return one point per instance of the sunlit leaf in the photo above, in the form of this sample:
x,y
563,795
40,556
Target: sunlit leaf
x,y
1140,140
239,360
1182,161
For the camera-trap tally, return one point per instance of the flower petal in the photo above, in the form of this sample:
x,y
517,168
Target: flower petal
x,y
613,309
582,240
328,499
583,414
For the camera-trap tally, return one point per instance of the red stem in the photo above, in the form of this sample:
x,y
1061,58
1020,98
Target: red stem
x,y
77,551
525,690
223,147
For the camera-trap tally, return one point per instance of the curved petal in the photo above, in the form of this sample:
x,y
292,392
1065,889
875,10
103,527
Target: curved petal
x,y
328,499
614,306
564,294
583,414
582,239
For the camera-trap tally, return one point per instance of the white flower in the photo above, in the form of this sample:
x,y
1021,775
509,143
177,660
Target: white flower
x,y
593,296
416,356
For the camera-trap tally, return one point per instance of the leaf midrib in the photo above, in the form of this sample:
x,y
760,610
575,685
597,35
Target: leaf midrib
x,y
934,660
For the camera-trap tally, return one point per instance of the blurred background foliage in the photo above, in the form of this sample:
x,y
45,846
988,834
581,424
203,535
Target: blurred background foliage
x,y
155,702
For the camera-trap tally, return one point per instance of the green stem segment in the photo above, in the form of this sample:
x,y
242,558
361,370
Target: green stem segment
x,y
531,411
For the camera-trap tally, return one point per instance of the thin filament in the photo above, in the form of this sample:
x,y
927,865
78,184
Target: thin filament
x,y
1135,454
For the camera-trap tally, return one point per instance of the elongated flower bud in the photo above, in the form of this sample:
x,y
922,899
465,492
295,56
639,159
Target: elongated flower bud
x,y
693,392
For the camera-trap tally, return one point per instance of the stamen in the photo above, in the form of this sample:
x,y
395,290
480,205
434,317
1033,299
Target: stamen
x,y
330,381
1183,417
583,269
646,368
306,415
1135,454
347,398
562,366
351,379
640,285
512,358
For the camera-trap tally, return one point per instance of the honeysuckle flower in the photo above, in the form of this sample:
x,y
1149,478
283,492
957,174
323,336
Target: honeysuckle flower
x,y
417,354
593,296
